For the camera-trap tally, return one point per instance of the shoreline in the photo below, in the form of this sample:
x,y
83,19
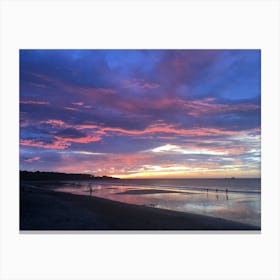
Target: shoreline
x,y
42,209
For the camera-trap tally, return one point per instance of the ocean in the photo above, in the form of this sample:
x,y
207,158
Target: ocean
x,y
233,199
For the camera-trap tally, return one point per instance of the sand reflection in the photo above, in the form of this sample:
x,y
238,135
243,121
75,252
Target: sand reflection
x,y
241,207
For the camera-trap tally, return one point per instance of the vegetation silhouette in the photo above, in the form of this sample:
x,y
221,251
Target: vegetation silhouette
x,y
42,176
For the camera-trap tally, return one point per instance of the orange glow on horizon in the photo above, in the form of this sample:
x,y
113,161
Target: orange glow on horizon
x,y
225,173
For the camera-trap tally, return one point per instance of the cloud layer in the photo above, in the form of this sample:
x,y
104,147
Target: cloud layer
x,y
141,113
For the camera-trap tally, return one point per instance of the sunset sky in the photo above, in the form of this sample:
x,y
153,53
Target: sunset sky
x,y
141,113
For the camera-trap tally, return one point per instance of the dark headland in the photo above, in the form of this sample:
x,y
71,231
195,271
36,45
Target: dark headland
x,y
45,176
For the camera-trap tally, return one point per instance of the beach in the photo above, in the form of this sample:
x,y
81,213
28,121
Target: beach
x,y
44,209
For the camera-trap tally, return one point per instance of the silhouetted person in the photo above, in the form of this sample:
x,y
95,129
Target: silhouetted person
x,y
227,194
216,190
90,191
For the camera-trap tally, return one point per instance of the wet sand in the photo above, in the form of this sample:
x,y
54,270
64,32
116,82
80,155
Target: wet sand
x,y
147,191
42,209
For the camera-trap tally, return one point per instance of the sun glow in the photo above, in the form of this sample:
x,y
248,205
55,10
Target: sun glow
x,y
165,148
177,149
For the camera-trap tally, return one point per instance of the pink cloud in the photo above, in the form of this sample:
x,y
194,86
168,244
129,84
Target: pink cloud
x,y
209,99
191,107
60,145
159,127
89,91
203,107
183,66
139,83
35,102
86,126
143,104
165,128
70,109
109,165
95,129
55,122
150,85
85,139
78,103
29,160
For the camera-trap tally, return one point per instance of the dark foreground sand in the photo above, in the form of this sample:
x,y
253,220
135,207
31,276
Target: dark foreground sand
x,y
47,210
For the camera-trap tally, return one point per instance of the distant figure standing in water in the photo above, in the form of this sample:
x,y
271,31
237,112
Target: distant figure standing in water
x,y
90,191
227,194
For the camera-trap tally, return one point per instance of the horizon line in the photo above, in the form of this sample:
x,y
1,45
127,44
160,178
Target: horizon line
x,y
147,178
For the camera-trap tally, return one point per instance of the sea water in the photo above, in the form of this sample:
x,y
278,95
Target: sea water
x,y
233,199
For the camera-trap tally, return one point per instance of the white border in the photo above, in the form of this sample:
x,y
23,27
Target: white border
x,y
140,24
